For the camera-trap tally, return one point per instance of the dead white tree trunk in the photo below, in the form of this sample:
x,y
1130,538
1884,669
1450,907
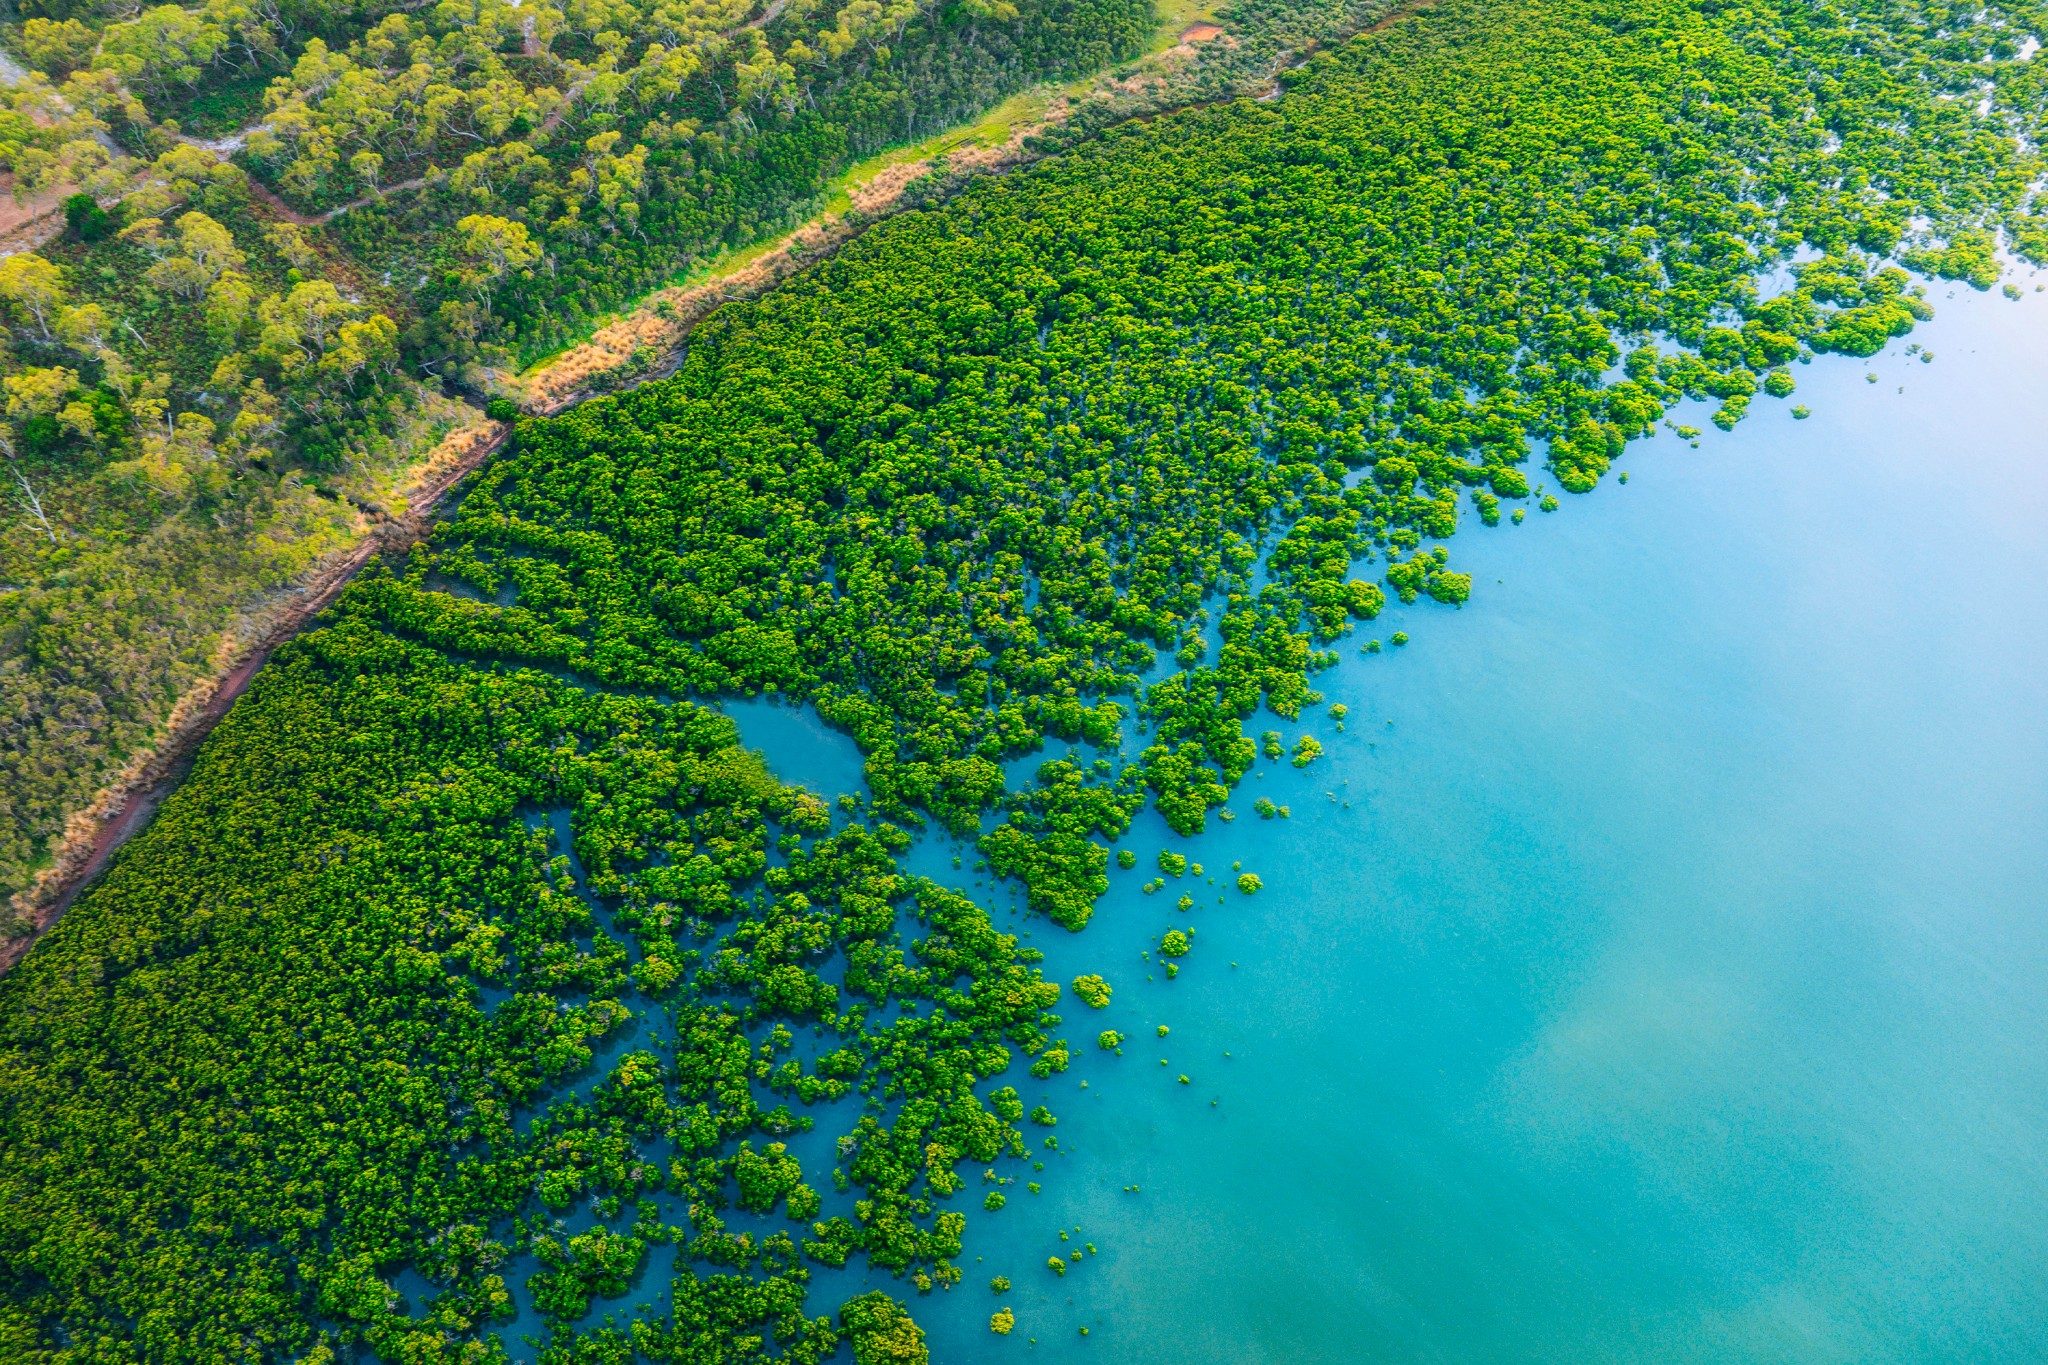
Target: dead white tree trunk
x,y
30,500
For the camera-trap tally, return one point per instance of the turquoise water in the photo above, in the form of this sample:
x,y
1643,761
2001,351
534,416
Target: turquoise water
x,y
1656,968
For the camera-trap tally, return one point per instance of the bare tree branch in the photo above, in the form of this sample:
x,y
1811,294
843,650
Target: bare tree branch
x,y
28,490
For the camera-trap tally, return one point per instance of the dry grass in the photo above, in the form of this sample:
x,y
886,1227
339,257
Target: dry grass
x,y
91,835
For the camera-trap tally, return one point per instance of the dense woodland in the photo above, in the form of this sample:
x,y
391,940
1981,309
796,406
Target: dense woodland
x,y
1117,452
302,242
206,389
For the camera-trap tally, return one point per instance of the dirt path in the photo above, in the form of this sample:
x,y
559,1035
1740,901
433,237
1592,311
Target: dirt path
x,y
266,196
28,226
225,147
649,343
125,807
30,222
599,366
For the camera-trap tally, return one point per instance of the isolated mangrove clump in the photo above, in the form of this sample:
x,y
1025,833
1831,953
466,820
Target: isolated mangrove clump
x,y
1092,991
882,1332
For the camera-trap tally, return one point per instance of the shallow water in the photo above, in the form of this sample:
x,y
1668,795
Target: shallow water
x,y
1655,968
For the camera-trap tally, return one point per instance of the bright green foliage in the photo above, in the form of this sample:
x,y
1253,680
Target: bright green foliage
x,y
1092,991
960,488
1174,943
1968,256
354,946
693,132
882,1331
1249,883
237,385
764,1178
958,485
1051,1062
599,1264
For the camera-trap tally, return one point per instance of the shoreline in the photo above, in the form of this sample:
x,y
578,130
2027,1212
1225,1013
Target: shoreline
x,y
92,836
604,363
601,366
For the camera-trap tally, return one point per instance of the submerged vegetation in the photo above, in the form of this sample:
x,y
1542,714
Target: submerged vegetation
x,y
475,941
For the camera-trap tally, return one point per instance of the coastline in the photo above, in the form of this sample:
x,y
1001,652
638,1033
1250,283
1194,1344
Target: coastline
x,y
643,346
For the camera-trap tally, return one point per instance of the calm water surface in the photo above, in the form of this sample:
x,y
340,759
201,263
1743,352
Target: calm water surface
x,y
1656,968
